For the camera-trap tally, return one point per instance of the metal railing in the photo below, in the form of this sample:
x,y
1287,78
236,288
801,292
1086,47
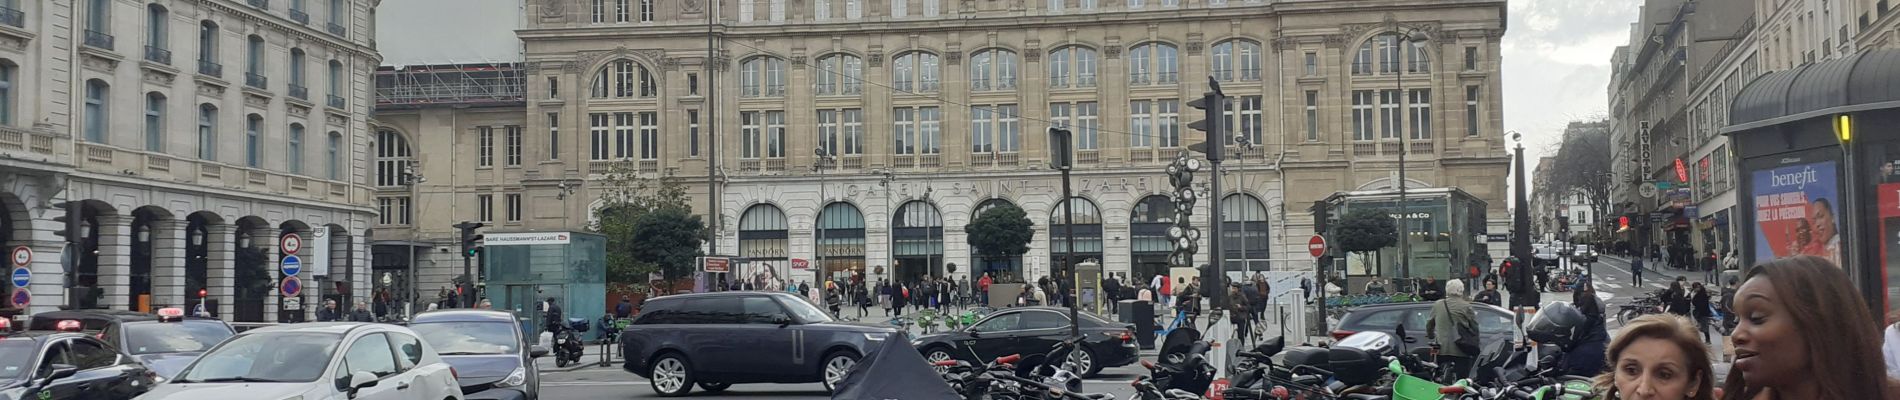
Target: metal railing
x,y
256,81
337,29
336,101
209,68
258,3
299,16
13,17
300,92
158,55
98,39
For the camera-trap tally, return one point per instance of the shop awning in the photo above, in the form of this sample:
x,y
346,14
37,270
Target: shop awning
x,y
1864,81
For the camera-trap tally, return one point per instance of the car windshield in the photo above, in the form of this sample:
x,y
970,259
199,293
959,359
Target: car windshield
x,y
469,338
805,311
265,357
15,355
174,337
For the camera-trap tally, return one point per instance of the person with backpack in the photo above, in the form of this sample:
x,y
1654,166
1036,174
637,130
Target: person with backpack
x,y
1455,328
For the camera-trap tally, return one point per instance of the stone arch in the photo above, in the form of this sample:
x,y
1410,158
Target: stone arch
x,y
764,238
150,226
1246,232
198,237
917,240
1088,221
840,248
93,229
1148,243
646,77
342,273
251,274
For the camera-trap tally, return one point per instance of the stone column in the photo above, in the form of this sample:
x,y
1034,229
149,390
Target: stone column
x,y
48,287
168,262
221,267
115,260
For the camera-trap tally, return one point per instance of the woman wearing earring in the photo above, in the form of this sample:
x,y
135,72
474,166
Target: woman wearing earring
x,y
1658,357
1805,333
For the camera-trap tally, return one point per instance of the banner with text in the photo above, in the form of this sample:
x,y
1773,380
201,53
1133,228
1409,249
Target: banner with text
x,y
1795,212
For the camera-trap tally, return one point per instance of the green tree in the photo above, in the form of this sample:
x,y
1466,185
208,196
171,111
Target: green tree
x,y
1001,232
668,238
634,214
1366,230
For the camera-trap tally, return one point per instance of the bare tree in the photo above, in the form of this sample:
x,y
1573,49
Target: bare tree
x,y
1583,164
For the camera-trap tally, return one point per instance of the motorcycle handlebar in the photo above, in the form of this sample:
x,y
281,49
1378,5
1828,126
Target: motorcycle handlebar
x,y
1009,359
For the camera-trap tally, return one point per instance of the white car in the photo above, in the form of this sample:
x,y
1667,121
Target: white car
x,y
316,361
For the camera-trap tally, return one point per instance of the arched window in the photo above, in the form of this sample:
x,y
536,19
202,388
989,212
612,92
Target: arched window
x,y
1154,64
624,79
1383,50
1244,233
208,49
254,63
1072,67
993,69
763,233
1148,243
294,150
392,158
917,241
1087,223
97,92
916,72
207,132
253,139
1236,59
762,76
157,34
154,121
297,88
839,74
333,156
840,239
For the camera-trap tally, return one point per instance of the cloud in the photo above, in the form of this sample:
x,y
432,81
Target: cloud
x,y
1557,65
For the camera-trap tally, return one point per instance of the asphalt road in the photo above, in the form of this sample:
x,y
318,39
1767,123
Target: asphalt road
x,y
604,383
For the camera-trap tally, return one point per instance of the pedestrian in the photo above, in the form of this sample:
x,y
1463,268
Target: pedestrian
x,y
1263,293
983,289
1890,346
1658,358
1430,291
329,312
623,310
361,313
1490,293
1584,354
1676,299
1239,311
1807,335
884,296
1455,327
1700,309
1111,290
1636,270
1162,287
1376,285
551,316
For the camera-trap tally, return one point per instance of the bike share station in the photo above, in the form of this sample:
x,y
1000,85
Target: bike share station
x,y
524,269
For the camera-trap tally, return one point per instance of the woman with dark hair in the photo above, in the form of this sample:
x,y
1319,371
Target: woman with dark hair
x,y
1805,333
1699,308
1490,293
1657,357
1676,299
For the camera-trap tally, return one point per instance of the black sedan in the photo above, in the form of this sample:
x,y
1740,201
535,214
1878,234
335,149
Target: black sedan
x,y
1494,323
1034,330
65,365
166,342
719,339
492,358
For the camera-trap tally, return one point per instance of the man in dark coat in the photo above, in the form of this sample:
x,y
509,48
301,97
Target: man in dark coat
x,y
361,313
1111,292
329,312
624,309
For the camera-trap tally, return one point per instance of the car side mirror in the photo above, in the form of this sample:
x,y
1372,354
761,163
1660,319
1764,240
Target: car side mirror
x,y
537,351
974,333
360,380
60,371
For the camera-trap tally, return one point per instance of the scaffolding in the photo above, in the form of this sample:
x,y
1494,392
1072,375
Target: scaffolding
x,y
486,84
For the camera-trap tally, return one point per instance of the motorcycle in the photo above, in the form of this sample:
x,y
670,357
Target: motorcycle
x,y
1011,377
567,343
1646,305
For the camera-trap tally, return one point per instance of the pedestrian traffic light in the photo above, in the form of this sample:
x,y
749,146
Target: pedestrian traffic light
x,y
471,241
202,293
1214,104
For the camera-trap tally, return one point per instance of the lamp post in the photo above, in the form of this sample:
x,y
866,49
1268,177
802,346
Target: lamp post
x,y
1242,145
823,152
1520,227
1411,35
1062,159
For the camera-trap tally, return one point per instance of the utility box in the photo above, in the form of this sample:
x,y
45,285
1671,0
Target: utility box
x,y
523,270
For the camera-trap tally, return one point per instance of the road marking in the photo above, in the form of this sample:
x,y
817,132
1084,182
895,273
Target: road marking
x,y
582,383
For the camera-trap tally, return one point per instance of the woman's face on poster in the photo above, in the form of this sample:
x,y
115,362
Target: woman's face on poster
x,y
1823,217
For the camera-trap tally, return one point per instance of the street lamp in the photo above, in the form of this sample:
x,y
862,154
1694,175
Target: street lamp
x,y
1062,158
1520,228
818,246
1411,36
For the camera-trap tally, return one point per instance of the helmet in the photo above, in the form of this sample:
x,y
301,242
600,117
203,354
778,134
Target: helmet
x,y
1555,324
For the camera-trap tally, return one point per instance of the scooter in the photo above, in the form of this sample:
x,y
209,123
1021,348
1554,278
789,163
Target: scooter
x,y
567,343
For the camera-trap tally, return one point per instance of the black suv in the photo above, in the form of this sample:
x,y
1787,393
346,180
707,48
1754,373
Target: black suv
x,y
719,339
166,342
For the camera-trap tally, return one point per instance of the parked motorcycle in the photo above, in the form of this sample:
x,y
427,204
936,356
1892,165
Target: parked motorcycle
x,y
568,345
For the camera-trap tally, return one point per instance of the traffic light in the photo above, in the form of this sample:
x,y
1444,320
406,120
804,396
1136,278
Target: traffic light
x,y
1061,154
471,241
1322,216
1214,103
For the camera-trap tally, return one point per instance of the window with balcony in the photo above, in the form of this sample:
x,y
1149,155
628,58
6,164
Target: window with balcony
x,y
1081,118
1236,59
336,84
254,63
208,49
917,130
900,8
157,25
649,135
1072,67
293,150
841,132
97,93
995,129
777,8
624,79
1245,116
1389,114
254,141
1154,64
853,9
762,134
297,12
1362,119
511,139
99,23
762,76
839,74
746,10
154,122
1155,123
600,125
297,60
993,69
916,72
821,10
338,13
207,132
10,14
333,156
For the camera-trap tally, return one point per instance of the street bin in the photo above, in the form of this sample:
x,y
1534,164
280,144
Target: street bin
x,y
1142,314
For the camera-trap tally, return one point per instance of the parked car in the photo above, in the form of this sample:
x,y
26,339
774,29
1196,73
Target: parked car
x,y
1583,254
492,358
316,361
1495,324
1035,330
1544,256
165,341
716,340
64,364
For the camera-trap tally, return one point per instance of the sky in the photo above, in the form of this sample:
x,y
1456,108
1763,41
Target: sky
x,y
1557,65
412,32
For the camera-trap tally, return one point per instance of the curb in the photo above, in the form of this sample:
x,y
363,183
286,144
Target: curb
x,y
585,363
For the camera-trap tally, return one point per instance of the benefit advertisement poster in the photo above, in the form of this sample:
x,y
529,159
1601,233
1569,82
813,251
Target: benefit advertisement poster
x,y
1795,212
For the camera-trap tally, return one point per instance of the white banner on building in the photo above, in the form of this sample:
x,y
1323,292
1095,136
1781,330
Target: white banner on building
x,y
524,239
317,260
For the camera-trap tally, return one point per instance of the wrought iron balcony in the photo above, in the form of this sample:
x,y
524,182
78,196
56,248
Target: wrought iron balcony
x,y
158,55
336,101
256,81
13,17
337,30
299,16
300,92
98,39
265,4
211,69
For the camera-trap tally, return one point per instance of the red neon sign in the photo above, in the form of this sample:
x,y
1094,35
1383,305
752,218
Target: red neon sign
x,y
1682,171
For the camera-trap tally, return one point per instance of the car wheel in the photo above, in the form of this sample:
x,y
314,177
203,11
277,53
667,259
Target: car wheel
x,y
1085,361
671,375
836,366
938,353
714,387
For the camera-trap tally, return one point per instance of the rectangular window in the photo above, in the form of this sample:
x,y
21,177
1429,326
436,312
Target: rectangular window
x,y
821,9
514,207
394,210
1312,115
484,208
1362,115
623,135
253,131
1419,105
96,18
6,93
853,131
620,11
1389,114
336,11
994,129
208,42
649,135
254,56
600,11
554,136
1471,111
1250,119
778,10
294,150
207,133
154,123
334,156
1134,4
932,7
692,133
692,84
853,9
750,135
513,141
1471,58
1141,123
1008,129
646,10
918,130
745,10
96,113
599,124
1168,123
899,8
157,22
1088,125
1312,63
554,87
1086,4
775,134
485,139
1055,6
828,128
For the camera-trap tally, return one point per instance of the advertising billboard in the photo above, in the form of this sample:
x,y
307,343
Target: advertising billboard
x,y
1796,209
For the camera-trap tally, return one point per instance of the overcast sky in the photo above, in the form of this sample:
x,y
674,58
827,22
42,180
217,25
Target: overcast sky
x,y
1557,65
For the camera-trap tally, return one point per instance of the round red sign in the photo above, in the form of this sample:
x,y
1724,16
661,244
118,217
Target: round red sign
x,y
1316,245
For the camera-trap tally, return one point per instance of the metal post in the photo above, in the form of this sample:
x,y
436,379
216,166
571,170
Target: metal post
x,y
1521,223
1068,258
712,135
817,245
1405,227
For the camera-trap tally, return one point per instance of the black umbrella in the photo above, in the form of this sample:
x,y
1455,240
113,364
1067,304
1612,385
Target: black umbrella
x,y
894,370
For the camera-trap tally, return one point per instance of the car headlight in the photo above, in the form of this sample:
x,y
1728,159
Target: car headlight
x,y
876,336
516,378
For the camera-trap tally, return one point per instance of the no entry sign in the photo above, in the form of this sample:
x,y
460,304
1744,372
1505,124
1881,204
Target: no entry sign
x,y
1316,245
291,243
22,256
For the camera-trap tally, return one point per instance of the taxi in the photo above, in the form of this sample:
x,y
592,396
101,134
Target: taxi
x,y
63,364
166,341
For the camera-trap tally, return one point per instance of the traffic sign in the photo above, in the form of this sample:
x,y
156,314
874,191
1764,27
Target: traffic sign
x,y
21,297
22,256
1316,245
292,265
291,243
291,286
22,277
293,304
